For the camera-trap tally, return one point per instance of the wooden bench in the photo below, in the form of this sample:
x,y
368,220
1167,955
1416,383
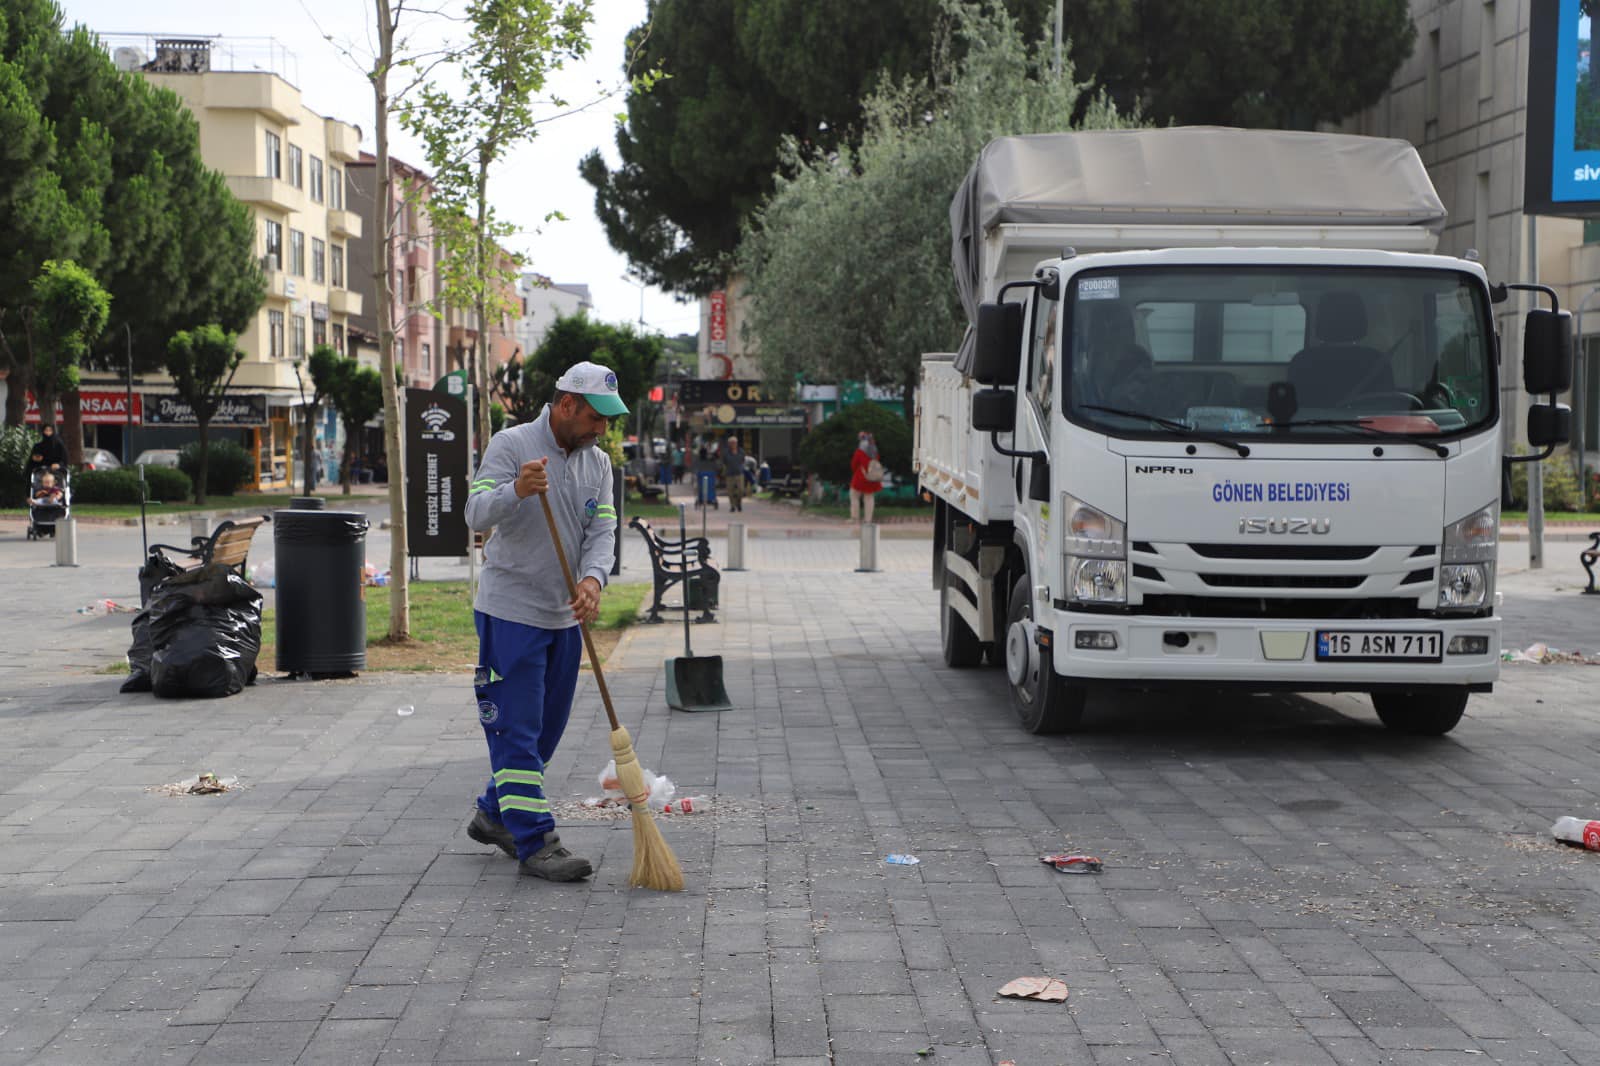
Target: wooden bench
x,y
684,562
649,491
791,484
228,544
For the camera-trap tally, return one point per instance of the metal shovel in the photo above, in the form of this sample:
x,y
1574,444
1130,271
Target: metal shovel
x,y
693,683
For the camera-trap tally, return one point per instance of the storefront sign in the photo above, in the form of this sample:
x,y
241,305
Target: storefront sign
x,y
1562,159
98,409
697,392
165,409
719,322
319,311
436,473
752,416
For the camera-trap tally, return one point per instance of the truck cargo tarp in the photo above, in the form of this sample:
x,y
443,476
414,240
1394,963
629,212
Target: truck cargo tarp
x,y
1205,176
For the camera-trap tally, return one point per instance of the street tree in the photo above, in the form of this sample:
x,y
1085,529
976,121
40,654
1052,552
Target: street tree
x,y
510,384
700,151
68,314
573,339
849,261
323,366
202,362
513,47
357,394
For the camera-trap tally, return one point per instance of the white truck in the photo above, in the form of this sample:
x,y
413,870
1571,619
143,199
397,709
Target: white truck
x,y
1222,420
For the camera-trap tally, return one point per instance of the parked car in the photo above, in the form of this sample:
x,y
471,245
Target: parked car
x,y
100,459
158,457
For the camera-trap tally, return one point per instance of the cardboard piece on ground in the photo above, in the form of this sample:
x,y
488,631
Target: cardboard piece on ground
x,y
1046,989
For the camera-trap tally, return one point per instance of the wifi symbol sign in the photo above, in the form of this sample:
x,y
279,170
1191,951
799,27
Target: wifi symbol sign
x,y
435,418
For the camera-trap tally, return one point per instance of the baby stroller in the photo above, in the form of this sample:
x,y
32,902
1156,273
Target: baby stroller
x,y
43,514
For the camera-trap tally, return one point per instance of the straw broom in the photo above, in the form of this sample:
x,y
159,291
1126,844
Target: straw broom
x,y
654,864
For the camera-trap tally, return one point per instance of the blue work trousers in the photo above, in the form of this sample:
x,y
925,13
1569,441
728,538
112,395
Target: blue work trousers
x,y
525,680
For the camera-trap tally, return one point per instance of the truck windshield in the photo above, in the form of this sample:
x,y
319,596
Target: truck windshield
x,y
1197,350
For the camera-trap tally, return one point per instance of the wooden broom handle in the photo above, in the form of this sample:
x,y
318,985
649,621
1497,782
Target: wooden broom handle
x,y
572,591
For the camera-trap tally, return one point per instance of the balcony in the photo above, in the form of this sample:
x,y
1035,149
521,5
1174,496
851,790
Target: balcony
x,y
264,192
281,285
267,94
344,224
344,302
344,140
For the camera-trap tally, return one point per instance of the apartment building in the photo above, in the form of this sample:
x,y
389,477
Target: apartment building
x,y
288,164
541,301
1462,99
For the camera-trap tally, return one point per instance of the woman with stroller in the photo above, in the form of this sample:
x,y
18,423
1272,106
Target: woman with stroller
x,y
48,454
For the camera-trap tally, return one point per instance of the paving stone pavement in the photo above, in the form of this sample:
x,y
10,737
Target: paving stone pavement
x,y
1285,882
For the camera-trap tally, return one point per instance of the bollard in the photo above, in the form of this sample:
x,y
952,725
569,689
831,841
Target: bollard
x,y
199,527
869,548
735,546
67,542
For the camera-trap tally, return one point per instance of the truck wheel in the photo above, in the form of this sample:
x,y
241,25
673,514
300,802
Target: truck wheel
x,y
1043,701
961,645
1429,712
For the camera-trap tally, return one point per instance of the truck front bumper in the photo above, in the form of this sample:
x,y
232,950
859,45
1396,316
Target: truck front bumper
x,y
1279,654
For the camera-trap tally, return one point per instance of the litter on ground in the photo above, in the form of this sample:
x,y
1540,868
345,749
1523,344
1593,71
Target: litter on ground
x,y
1045,989
1073,864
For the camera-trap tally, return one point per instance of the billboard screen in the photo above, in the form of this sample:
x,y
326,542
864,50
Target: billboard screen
x,y
1563,148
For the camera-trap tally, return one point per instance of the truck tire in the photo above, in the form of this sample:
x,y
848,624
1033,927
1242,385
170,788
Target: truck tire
x,y
1044,702
961,645
1428,712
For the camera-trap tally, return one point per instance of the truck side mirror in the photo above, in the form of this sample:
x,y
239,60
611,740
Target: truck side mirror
x,y
997,356
1549,424
994,411
1547,353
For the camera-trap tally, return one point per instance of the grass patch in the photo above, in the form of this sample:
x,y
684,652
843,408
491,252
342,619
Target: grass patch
x,y
1553,516
116,669
443,637
255,502
656,509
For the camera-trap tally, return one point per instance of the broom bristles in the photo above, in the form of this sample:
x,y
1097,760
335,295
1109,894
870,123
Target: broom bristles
x,y
654,864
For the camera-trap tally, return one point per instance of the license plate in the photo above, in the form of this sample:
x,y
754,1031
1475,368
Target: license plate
x,y
1378,646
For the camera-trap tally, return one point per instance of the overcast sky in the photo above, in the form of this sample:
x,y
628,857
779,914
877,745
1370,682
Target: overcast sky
x,y
534,181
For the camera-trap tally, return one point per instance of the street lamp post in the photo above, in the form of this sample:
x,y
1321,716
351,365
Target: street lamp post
x,y
631,280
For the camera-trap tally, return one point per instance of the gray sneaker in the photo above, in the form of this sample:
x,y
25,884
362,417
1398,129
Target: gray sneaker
x,y
555,863
486,830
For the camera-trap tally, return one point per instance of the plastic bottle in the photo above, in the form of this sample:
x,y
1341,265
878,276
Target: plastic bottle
x,y
688,805
1577,832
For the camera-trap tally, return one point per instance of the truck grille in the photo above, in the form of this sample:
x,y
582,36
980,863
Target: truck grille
x,y
1280,607
1284,551
1283,580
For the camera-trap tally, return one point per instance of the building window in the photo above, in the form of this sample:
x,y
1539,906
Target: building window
x,y
319,332
427,359
299,337
318,260
336,256
338,338
273,233
297,170
336,188
297,253
275,334
316,179
274,155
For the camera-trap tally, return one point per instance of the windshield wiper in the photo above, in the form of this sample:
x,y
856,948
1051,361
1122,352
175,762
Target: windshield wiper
x,y
1177,427
1357,424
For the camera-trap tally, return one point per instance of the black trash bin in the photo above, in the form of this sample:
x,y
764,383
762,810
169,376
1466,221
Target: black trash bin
x,y
321,617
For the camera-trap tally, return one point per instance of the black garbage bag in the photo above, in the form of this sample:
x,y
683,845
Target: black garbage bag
x,y
156,569
205,629
139,655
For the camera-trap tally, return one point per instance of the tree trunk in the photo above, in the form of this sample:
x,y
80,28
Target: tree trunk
x,y
71,428
205,457
383,274
17,385
480,370
45,397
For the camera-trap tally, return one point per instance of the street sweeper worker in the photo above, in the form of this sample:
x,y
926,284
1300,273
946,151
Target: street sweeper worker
x,y
529,643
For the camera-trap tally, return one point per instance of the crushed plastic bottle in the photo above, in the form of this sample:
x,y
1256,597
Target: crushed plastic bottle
x,y
405,710
1577,832
687,805
902,860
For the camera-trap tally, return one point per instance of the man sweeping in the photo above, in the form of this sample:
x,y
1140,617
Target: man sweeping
x,y
528,637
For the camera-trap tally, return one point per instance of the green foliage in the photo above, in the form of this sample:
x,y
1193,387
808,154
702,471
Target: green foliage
x,y
849,261
611,444
700,150
826,450
1284,64
167,485
510,382
202,362
1559,475
69,312
227,464
16,444
497,417
577,338
356,392
107,486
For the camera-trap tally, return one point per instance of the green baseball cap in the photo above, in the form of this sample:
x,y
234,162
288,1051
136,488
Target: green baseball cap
x,y
597,384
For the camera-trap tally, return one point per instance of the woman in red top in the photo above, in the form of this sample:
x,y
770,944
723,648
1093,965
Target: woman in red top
x,y
861,488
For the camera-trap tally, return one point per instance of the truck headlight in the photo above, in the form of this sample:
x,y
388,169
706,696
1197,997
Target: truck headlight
x,y
1471,545
1097,580
1094,554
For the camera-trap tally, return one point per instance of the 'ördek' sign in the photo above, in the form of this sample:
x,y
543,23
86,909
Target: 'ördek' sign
x,y
436,473
169,410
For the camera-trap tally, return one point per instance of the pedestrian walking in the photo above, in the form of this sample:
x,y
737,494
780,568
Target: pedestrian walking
x,y
705,476
866,478
733,470
528,637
